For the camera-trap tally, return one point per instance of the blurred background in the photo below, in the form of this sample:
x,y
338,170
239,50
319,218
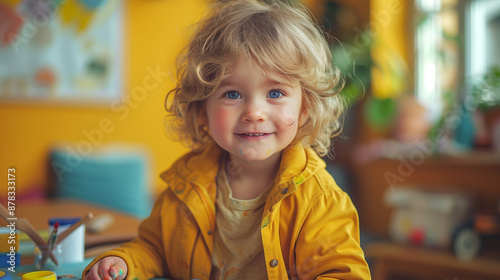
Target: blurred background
x,y
82,108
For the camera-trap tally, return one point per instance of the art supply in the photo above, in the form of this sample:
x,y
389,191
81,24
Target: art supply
x,y
68,231
42,262
24,225
40,275
4,275
9,247
53,236
8,238
73,245
43,253
74,231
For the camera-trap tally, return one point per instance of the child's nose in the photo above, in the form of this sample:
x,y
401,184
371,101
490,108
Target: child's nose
x,y
254,112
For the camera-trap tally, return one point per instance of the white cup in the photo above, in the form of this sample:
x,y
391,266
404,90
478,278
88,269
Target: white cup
x,y
73,246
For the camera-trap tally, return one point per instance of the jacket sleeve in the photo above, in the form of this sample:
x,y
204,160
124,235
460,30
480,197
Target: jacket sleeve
x,y
328,245
145,254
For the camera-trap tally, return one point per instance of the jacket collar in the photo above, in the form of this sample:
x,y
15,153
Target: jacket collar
x,y
194,168
297,165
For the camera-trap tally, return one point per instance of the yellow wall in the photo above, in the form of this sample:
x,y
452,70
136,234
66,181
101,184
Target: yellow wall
x,y
155,31
392,23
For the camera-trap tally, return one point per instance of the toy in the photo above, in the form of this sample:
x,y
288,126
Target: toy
x,y
439,219
468,239
427,217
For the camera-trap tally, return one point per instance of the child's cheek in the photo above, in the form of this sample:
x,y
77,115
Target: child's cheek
x,y
220,120
286,119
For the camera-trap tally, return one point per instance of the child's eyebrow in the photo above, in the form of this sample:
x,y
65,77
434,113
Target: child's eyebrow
x,y
286,85
271,85
226,83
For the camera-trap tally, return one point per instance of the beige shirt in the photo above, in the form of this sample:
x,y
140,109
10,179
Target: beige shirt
x,y
238,250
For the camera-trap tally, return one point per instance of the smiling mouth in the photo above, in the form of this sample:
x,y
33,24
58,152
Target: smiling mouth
x,y
254,134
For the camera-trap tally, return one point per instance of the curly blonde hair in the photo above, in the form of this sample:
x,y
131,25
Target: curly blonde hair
x,y
283,40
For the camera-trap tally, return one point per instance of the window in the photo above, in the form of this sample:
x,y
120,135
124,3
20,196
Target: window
x,y
437,53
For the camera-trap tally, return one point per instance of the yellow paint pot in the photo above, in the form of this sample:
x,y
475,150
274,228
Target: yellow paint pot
x,y
40,275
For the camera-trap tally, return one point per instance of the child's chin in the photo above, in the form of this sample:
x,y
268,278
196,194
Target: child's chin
x,y
252,155
256,159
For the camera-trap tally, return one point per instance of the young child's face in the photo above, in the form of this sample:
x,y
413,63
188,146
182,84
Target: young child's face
x,y
252,116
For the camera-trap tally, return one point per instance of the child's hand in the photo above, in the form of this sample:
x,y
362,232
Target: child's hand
x,y
107,269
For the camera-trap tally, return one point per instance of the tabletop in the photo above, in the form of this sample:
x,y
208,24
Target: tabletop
x,y
124,227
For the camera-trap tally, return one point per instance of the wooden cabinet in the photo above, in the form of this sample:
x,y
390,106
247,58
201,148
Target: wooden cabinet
x,y
390,261
477,173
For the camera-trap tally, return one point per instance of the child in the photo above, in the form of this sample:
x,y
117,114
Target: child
x,y
253,200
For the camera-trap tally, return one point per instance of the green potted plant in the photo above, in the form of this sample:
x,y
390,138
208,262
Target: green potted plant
x,y
486,97
486,92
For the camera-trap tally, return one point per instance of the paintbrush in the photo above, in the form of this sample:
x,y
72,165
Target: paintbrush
x,y
4,213
50,244
25,226
74,226
53,236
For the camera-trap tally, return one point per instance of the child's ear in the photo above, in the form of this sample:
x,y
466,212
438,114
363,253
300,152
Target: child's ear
x,y
303,116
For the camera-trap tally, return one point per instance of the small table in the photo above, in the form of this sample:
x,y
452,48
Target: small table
x,y
394,260
38,213
68,271
124,227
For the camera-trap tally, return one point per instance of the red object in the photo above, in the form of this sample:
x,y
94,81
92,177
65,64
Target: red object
x,y
486,224
417,236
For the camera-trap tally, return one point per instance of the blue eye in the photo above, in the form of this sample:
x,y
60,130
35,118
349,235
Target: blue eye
x,y
232,95
275,94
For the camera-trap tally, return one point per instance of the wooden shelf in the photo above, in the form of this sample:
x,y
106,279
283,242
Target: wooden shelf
x,y
389,259
419,156
475,158
477,173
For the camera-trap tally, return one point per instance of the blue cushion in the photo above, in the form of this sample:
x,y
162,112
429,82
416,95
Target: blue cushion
x,y
115,179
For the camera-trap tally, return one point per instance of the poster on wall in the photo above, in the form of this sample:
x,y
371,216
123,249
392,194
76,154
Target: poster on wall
x,y
60,50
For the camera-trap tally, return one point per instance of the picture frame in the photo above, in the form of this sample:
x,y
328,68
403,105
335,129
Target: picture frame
x,y
61,51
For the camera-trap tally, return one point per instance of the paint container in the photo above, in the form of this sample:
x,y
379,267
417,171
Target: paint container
x,y
4,275
40,275
42,259
9,248
73,246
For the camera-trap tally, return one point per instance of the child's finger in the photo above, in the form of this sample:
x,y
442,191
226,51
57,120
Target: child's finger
x,y
116,272
103,274
107,269
104,268
93,273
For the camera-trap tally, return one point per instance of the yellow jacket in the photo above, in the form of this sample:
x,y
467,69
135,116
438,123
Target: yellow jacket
x,y
309,227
